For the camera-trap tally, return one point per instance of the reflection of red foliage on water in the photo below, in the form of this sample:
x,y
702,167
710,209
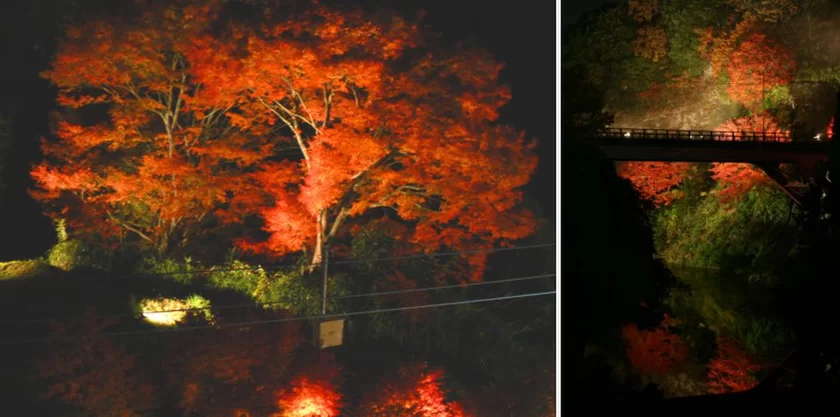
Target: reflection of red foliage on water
x,y
654,351
731,370
414,390
310,399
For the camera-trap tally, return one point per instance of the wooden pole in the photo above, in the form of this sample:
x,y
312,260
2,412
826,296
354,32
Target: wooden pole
x,y
325,260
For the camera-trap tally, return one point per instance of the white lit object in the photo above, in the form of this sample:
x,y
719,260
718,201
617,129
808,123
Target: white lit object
x,y
329,333
818,137
626,134
169,318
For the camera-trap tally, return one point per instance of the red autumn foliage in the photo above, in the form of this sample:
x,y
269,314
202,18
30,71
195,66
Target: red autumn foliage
x,y
310,120
413,391
215,373
87,369
314,390
416,140
756,66
738,178
655,181
654,351
731,369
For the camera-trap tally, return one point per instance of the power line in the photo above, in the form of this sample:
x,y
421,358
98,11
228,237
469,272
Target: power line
x,y
343,297
344,262
471,284
291,319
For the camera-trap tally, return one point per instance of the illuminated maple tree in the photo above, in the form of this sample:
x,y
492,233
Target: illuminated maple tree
x,y
755,66
732,369
717,46
311,119
376,124
413,391
655,181
141,150
653,351
738,178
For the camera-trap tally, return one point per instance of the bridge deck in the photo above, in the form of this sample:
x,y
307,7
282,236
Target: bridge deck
x,y
708,146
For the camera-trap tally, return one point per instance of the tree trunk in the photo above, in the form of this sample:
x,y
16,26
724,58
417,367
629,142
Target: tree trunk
x,y
320,240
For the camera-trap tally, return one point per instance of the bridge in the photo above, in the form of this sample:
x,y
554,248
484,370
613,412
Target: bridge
x,y
766,150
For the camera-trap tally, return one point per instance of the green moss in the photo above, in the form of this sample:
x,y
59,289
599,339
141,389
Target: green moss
x,y
72,254
24,269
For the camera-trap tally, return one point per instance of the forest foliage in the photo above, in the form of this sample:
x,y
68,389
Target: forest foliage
x,y
278,133
722,231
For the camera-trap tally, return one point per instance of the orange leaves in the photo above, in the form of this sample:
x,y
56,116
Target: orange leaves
x,y
642,10
60,179
350,122
651,43
736,178
291,226
731,369
313,391
653,351
310,399
760,122
337,156
412,391
766,11
655,181
756,66
164,153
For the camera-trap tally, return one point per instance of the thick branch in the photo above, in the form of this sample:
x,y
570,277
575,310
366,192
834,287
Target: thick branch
x,y
130,228
180,100
297,96
292,126
339,219
327,105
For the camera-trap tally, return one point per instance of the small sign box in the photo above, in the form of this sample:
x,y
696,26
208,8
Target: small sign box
x,y
329,333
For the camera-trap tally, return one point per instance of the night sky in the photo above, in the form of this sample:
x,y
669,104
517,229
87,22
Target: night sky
x,y
523,36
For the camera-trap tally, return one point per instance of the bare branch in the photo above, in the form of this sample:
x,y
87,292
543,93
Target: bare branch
x,y
128,227
292,126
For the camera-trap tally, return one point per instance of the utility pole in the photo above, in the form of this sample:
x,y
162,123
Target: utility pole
x,y
325,259
328,332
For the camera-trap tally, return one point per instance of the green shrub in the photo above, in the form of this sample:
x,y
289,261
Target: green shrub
x,y
288,289
71,254
182,272
763,338
238,276
23,269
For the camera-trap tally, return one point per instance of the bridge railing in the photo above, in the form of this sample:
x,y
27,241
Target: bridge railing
x,y
699,135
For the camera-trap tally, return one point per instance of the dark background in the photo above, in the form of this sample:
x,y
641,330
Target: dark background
x,y
521,33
